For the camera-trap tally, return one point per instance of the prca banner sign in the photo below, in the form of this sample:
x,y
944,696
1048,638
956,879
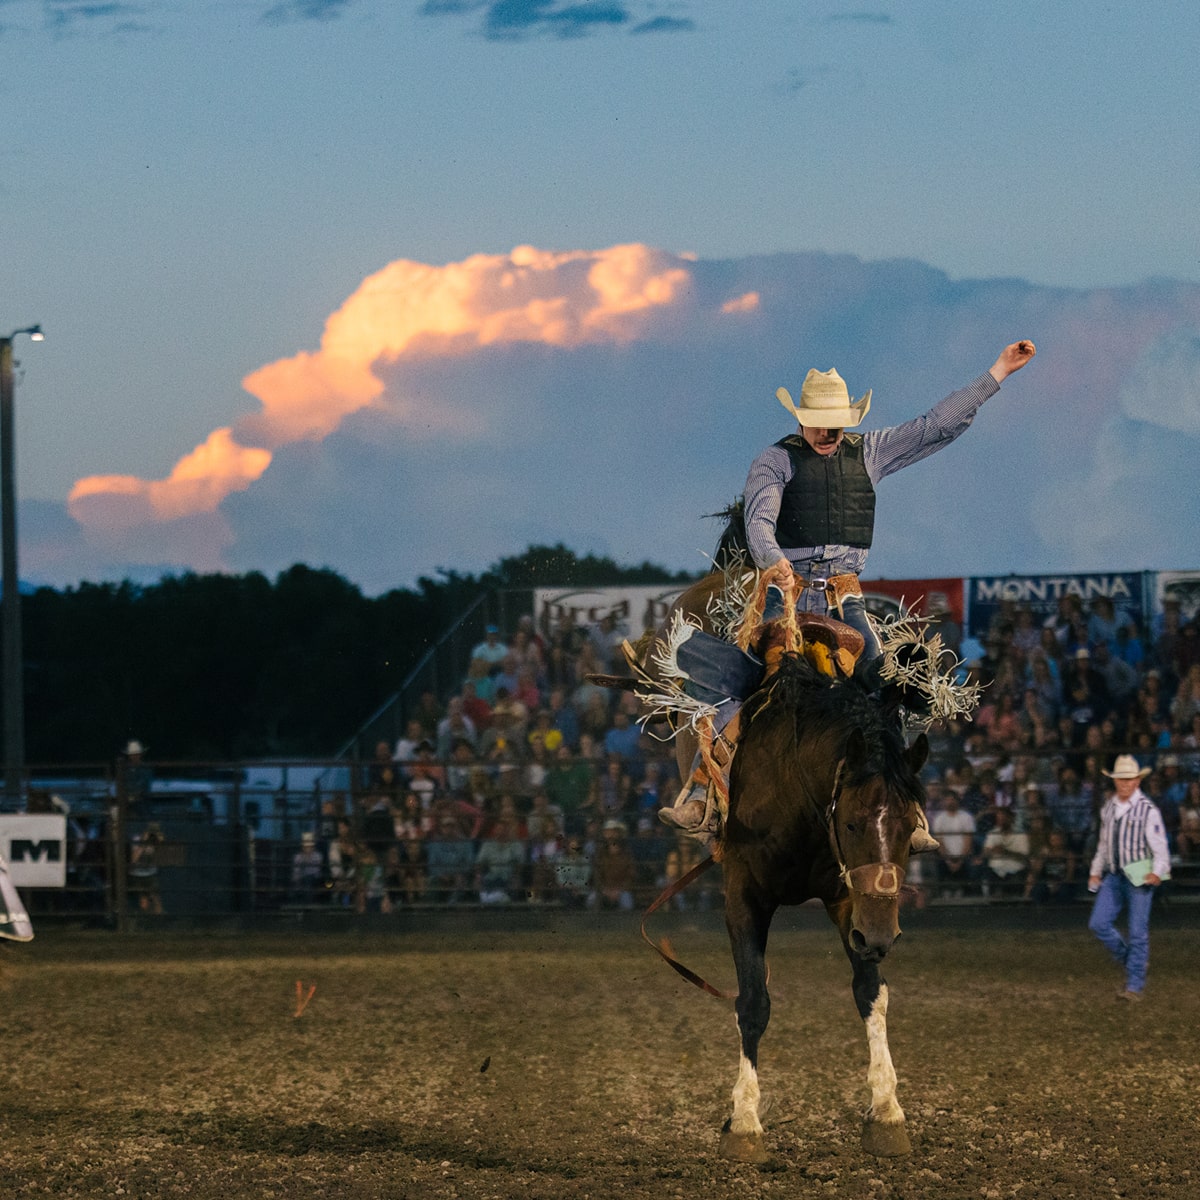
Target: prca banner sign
x,y
636,609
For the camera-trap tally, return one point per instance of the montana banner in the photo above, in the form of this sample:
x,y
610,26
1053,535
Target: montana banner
x,y
1041,593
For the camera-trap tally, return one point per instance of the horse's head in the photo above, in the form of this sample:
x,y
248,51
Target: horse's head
x,y
872,816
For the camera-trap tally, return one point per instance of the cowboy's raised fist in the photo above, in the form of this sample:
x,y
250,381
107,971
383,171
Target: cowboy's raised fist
x,y
1012,358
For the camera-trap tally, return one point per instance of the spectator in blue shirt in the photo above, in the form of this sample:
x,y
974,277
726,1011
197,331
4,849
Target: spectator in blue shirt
x,y
624,738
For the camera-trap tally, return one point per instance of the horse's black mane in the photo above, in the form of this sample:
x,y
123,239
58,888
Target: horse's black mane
x,y
822,701
824,707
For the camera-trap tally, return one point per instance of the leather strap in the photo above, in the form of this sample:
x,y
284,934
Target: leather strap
x,y
662,947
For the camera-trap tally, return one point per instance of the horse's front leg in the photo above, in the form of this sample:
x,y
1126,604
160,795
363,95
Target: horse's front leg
x,y
748,919
883,1131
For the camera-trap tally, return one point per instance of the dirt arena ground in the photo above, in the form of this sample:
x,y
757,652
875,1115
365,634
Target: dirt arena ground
x,y
569,1062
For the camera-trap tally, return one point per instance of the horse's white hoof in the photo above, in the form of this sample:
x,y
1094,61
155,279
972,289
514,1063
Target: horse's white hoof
x,y
743,1147
885,1141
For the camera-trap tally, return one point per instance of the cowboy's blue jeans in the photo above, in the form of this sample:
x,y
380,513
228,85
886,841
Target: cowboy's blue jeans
x,y
1132,951
854,614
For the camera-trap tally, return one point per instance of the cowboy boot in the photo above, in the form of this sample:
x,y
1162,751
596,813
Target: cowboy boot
x,y
922,841
696,811
691,805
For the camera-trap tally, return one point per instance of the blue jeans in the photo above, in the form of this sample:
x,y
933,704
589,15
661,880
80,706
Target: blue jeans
x,y
854,614
1133,951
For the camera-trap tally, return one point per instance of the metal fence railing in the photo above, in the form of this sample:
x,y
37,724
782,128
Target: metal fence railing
x,y
199,840
441,670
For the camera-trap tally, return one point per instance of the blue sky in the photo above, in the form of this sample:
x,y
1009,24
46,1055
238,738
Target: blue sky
x,y
191,189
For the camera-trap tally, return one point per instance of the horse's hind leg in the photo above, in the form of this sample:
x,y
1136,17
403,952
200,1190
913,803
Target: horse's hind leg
x,y
747,921
883,1131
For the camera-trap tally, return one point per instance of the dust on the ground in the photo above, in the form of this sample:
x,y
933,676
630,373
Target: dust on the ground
x,y
570,1063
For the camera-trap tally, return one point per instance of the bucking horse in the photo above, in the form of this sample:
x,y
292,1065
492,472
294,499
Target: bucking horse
x,y
821,804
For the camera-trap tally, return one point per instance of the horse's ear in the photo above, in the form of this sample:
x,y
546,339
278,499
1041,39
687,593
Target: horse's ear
x,y
856,748
917,753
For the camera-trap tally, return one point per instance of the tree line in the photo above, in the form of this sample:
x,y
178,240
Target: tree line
x,y
220,667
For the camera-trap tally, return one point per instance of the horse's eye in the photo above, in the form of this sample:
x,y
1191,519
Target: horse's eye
x,y
849,826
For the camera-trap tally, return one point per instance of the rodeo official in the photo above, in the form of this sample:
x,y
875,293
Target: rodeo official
x,y
1132,858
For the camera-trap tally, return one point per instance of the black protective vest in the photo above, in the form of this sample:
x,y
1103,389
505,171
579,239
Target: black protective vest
x,y
828,501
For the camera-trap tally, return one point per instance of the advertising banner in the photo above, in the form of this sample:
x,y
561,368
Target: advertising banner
x,y
885,597
971,603
35,846
636,609
640,608
1041,593
1181,586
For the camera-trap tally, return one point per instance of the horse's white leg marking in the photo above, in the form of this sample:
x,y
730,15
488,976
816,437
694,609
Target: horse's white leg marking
x,y
745,1098
881,1075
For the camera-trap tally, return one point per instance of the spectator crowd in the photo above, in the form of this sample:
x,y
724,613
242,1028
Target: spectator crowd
x,y
532,784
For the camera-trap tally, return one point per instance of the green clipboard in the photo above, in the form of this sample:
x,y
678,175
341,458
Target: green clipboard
x,y
1137,871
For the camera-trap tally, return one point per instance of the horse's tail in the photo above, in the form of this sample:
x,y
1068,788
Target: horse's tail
x,y
732,545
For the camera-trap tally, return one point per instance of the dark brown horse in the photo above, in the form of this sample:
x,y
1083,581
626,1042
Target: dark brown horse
x,y
822,805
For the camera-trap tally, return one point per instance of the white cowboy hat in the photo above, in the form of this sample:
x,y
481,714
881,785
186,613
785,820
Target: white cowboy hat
x,y
135,747
1126,767
825,402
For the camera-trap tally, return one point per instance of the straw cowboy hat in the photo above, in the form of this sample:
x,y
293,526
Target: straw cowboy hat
x,y
1126,767
825,402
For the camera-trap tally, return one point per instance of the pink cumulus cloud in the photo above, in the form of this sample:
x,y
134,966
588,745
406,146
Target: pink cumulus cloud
x,y
408,309
197,484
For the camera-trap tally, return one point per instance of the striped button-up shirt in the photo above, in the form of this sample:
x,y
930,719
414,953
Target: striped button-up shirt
x,y
885,451
1139,833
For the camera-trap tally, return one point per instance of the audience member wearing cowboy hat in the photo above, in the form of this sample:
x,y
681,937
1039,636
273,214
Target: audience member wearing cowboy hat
x,y
1131,860
308,870
135,773
810,507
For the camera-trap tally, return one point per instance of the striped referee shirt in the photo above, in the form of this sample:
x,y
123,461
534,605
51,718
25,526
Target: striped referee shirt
x,y
1130,831
885,451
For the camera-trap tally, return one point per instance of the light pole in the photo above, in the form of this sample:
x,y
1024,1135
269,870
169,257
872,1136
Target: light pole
x,y
13,690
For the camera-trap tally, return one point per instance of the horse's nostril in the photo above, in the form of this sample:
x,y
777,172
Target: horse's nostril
x,y
870,949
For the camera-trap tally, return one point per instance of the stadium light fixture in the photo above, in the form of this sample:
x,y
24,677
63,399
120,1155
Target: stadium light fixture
x,y
12,666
